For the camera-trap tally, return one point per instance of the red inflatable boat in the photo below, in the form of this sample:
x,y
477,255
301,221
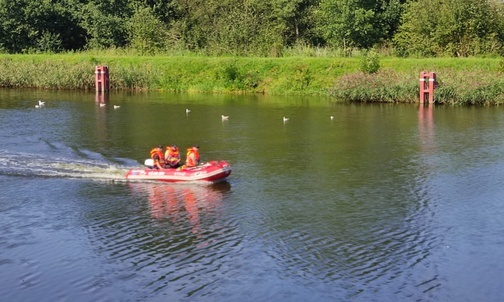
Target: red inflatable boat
x,y
213,171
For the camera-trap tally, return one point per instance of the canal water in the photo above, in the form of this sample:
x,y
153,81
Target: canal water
x,y
380,202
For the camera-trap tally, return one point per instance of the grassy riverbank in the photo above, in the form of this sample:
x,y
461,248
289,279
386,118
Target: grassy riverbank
x,y
461,80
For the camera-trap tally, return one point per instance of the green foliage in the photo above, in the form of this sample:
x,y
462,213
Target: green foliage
x,y
231,73
103,30
446,94
231,28
16,32
302,77
370,62
28,26
236,78
469,87
344,23
469,81
146,32
450,28
49,42
266,28
384,86
357,23
456,86
37,72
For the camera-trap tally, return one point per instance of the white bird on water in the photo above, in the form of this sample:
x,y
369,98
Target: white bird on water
x,y
224,117
332,117
102,104
40,104
187,111
285,119
117,106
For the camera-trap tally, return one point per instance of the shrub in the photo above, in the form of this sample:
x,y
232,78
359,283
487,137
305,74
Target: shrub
x,y
370,62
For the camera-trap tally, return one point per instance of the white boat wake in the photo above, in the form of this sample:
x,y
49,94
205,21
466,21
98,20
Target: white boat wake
x,y
25,164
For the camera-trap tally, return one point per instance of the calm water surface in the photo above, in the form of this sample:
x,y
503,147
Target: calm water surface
x,y
381,203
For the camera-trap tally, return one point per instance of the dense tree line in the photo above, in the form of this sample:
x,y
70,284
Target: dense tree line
x,y
254,27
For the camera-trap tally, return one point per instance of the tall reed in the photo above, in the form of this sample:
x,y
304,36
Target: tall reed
x,y
454,87
475,81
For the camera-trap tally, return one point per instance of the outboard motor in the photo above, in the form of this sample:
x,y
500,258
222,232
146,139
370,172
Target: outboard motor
x,y
149,163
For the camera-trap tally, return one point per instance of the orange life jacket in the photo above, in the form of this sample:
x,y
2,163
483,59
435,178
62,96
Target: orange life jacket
x,y
190,160
172,154
157,155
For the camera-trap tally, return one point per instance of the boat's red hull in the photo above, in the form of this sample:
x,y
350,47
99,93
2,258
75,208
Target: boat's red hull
x,y
213,171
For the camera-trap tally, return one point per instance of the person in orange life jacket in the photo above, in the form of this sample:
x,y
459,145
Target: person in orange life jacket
x,y
157,155
172,156
193,156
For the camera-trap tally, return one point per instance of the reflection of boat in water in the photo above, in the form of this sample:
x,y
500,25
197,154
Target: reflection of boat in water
x,y
175,201
213,171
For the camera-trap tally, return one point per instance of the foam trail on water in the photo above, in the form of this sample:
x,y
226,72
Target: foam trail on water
x,y
97,168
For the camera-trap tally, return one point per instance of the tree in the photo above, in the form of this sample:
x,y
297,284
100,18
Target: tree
x,y
146,32
358,23
229,26
103,30
248,28
164,10
49,42
28,25
14,32
295,16
450,27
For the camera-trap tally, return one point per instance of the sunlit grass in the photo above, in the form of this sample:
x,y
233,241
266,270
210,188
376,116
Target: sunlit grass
x,y
461,81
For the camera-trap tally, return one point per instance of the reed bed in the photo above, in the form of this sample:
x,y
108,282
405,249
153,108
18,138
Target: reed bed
x,y
471,81
453,87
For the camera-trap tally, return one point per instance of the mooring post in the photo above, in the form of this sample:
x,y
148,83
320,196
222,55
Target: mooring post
x,y
427,86
101,78
432,86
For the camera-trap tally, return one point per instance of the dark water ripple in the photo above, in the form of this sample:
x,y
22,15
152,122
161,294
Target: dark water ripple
x,y
389,203
176,241
357,246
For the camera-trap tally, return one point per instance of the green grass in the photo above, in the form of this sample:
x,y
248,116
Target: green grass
x,y
461,80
